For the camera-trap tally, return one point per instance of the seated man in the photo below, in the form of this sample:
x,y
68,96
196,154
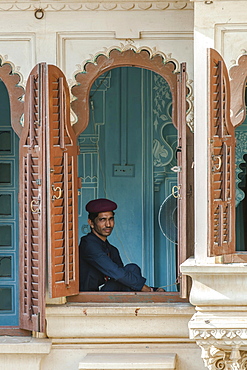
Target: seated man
x,y
101,267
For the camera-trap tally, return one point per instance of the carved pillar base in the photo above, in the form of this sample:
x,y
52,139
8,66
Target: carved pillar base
x,y
219,359
219,326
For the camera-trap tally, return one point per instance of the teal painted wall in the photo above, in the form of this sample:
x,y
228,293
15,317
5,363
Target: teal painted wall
x,y
127,152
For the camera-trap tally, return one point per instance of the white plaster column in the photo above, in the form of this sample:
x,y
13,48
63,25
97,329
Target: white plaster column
x,y
203,39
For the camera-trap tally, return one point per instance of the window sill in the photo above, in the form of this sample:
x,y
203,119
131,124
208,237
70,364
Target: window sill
x,y
126,297
14,331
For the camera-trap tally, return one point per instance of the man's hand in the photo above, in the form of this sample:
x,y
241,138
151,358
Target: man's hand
x,y
147,288
160,290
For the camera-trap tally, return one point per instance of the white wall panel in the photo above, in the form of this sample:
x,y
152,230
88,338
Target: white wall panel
x,y
19,49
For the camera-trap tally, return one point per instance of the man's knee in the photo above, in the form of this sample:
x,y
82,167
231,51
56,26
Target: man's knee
x,y
133,267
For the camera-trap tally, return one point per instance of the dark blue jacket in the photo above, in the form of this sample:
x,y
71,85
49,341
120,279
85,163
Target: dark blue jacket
x,y
99,259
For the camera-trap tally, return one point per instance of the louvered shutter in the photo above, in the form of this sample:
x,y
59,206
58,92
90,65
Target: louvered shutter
x,y
221,160
32,205
185,181
62,190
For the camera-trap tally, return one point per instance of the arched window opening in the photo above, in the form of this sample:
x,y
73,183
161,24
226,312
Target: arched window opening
x,y
9,160
127,154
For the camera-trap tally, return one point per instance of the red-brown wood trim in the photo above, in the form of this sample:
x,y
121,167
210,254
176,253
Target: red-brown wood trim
x,y
11,81
123,297
240,257
182,175
14,331
117,58
238,76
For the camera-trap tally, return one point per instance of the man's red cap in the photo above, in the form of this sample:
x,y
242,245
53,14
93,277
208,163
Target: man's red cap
x,y
100,205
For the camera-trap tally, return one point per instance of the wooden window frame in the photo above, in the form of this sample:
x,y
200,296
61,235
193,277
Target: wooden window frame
x,y
35,122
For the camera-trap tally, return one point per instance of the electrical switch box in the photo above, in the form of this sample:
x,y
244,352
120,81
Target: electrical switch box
x,y
126,170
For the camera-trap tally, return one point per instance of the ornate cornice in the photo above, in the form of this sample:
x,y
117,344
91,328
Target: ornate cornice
x,y
54,6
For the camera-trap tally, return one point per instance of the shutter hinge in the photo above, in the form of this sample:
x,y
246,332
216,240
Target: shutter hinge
x,y
38,181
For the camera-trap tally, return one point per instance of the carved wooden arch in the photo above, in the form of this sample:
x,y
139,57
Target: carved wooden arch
x,y
102,63
11,80
238,76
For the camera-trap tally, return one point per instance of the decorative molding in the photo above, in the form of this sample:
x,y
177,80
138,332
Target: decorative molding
x,y
128,45
92,6
225,335
190,104
13,81
124,48
218,359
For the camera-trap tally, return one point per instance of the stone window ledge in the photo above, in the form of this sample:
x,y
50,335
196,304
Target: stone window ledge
x,y
24,345
92,320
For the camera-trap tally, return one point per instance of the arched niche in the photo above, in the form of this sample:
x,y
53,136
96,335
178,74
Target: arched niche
x,y
141,58
11,79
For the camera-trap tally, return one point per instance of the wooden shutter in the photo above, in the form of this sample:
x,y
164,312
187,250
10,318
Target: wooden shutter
x,y
32,205
221,160
185,181
62,189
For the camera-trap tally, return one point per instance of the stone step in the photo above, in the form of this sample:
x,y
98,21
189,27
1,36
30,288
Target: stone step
x,y
126,361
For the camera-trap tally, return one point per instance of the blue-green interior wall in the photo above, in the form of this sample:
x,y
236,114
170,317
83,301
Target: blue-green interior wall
x,y
9,161
127,152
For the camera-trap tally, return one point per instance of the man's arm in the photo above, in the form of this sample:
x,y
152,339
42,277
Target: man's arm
x,y
95,255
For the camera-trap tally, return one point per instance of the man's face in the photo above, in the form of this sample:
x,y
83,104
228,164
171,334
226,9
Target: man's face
x,y
102,225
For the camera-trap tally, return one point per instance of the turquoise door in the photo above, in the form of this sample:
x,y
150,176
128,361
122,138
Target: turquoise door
x,y
126,154
9,161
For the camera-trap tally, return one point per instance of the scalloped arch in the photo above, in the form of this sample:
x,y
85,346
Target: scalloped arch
x,y
238,77
104,61
11,79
